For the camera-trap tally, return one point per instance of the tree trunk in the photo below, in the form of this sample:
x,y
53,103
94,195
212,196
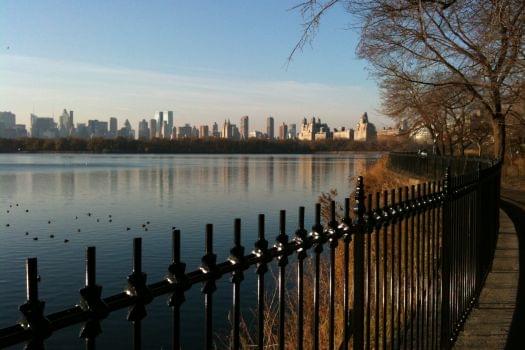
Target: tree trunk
x,y
498,127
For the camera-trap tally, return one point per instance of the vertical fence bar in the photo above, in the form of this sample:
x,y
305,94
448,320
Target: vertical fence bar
x,y
347,237
368,279
176,270
300,236
418,266
391,254
208,266
384,283
33,310
282,241
333,239
359,265
377,287
137,271
445,253
261,247
90,282
399,264
237,258
90,301
406,284
413,286
318,249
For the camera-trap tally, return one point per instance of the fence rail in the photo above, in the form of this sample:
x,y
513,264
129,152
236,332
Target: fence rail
x,y
413,259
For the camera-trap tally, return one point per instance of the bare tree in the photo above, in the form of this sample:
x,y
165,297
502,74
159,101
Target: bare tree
x,y
472,44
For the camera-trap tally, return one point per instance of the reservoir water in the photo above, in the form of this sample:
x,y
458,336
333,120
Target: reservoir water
x,y
92,200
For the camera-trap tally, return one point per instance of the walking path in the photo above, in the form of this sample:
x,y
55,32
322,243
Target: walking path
x,y
497,322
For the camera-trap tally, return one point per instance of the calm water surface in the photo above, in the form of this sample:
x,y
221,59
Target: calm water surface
x,y
186,191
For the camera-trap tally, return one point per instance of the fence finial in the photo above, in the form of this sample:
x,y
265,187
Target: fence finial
x,y
359,208
33,309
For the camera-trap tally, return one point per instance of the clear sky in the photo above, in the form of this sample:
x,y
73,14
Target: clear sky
x,y
205,60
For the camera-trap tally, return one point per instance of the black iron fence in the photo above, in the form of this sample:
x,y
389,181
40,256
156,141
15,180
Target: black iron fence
x,y
413,262
433,166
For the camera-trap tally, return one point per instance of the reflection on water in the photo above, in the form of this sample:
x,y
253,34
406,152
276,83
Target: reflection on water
x,y
180,190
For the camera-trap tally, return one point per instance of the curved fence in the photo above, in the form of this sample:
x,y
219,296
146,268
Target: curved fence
x,y
403,270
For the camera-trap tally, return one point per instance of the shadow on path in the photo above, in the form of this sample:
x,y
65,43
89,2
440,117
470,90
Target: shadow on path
x,y
516,212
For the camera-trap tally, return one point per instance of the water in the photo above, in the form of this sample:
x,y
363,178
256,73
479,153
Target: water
x,y
56,193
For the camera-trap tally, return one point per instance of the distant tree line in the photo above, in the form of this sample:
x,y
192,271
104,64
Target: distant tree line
x,y
194,145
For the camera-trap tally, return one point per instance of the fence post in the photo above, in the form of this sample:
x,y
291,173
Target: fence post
x,y
445,253
33,310
359,291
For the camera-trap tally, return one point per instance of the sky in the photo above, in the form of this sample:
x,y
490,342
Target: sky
x,y
205,60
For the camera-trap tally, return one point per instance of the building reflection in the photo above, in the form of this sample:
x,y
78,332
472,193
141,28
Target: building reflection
x,y
203,175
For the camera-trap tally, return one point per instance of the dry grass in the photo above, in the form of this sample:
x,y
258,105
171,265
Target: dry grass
x,y
377,178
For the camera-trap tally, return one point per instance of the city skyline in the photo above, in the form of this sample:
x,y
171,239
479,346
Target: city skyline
x,y
209,69
162,126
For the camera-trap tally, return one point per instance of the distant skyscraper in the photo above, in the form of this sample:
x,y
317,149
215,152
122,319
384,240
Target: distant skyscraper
x,y
126,131
144,132
226,130
113,127
153,128
66,127
166,130
283,131
292,131
160,122
44,128
245,129
184,131
8,127
270,131
170,122
82,131
215,130
203,131
97,128
7,120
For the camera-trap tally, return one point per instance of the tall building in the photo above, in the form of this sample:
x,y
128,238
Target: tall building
x,y
270,131
292,131
7,120
126,131
166,130
283,131
144,132
226,130
65,121
8,127
313,130
97,128
234,132
184,132
170,123
203,131
245,129
215,130
160,123
256,134
113,127
44,128
365,131
343,133
153,128
82,131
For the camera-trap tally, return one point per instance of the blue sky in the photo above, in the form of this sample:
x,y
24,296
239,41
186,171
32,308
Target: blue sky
x,y
206,60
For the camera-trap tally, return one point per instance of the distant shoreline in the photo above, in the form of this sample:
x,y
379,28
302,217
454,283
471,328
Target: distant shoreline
x,y
195,146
